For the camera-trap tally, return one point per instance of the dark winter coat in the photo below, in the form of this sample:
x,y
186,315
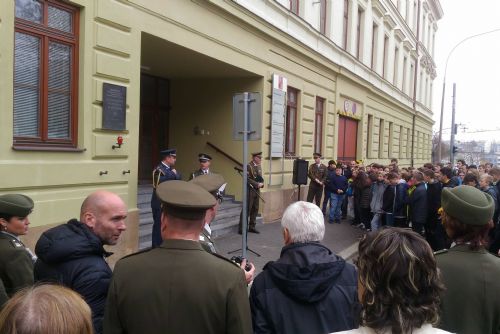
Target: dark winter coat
x,y
418,204
73,256
433,203
307,290
336,182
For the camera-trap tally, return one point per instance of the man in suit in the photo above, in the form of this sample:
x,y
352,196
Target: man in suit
x,y
317,174
163,172
204,169
178,287
255,182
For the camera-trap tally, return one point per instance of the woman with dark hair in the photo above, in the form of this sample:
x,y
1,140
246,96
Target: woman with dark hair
x,y
16,261
399,286
471,275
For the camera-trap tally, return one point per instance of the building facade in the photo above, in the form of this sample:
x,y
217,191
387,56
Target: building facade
x,y
91,91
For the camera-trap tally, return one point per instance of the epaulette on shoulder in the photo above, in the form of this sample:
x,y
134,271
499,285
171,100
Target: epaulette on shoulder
x,y
442,251
145,250
225,259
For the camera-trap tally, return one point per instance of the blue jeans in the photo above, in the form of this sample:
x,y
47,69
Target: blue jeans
x,y
335,206
376,221
389,219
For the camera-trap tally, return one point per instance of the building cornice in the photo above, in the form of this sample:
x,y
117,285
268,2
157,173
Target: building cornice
x,y
436,8
378,8
399,34
389,21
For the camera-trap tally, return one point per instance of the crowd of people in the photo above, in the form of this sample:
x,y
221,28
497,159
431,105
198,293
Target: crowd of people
x,y
398,284
376,195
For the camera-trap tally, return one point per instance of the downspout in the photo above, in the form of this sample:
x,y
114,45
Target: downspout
x,y
415,80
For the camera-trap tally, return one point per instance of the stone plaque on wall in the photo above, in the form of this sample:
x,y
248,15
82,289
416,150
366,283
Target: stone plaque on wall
x,y
114,104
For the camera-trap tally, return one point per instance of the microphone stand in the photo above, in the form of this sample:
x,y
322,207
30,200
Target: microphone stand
x,y
245,222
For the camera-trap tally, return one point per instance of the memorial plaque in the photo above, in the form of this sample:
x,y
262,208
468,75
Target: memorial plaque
x,y
114,104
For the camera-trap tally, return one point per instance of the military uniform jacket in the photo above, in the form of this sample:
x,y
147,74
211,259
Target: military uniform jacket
x,y
254,175
181,289
16,265
317,172
161,174
206,240
471,302
197,173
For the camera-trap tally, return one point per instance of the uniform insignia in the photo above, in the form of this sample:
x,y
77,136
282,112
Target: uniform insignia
x,y
16,244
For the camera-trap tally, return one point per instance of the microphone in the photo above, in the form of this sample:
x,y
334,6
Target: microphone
x,y
238,169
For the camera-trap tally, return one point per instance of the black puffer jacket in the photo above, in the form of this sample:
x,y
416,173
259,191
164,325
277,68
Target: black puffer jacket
x,y
72,255
308,290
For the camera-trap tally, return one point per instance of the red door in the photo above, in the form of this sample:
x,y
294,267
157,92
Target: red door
x,y
347,139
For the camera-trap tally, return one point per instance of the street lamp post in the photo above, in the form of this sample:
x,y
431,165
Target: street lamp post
x,y
444,85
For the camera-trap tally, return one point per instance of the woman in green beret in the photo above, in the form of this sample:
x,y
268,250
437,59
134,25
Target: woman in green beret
x,y
16,261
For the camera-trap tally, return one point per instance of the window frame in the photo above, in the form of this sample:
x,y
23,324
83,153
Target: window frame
x,y
291,136
323,6
294,6
345,30
47,35
318,123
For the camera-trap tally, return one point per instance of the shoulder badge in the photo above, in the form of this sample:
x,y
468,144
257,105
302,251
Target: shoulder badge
x,y
16,244
442,251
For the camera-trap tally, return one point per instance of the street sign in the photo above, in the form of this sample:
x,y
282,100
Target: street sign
x,y
254,116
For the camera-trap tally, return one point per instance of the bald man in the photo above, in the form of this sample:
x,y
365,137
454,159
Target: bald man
x,y
73,255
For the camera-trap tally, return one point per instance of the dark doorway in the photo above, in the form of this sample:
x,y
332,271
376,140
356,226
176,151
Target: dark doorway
x,y
348,139
154,123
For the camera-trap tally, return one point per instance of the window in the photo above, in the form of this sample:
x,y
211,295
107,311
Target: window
x,y
396,67
45,74
390,142
381,134
374,46
405,62
369,134
346,23
318,123
384,65
359,28
412,79
322,17
291,120
294,6
401,133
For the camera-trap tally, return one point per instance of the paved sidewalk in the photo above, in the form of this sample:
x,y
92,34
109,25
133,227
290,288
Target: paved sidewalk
x,y
340,238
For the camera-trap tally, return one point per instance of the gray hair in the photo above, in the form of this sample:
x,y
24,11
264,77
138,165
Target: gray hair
x,y
304,221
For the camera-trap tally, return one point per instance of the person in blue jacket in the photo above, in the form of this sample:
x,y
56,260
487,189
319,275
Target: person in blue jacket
x,y
165,171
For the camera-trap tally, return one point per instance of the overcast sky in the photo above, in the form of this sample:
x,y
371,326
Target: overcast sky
x,y
474,66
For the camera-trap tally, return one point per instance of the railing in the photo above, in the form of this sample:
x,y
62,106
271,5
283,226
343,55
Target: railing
x,y
219,150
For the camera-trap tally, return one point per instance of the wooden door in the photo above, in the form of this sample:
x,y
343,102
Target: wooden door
x,y
347,139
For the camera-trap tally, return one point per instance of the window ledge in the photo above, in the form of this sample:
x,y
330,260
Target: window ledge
x,y
48,149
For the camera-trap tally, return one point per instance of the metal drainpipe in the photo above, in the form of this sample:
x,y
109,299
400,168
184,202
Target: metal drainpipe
x,y
415,80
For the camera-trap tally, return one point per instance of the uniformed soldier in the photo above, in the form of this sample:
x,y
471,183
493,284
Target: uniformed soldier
x,y
470,273
215,184
16,261
204,169
255,182
178,287
163,172
317,174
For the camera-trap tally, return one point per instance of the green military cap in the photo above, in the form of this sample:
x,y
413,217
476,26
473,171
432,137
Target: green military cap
x,y
210,182
468,205
184,200
259,154
16,205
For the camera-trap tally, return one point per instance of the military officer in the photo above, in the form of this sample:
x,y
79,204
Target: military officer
x,y
469,272
180,287
317,174
255,182
215,184
205,161
163,172
16,261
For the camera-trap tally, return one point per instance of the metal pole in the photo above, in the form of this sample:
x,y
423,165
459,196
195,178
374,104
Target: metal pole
x,y
246,101
444,85
452,139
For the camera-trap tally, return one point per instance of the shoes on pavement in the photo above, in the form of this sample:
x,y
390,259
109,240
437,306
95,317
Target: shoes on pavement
x,y
240,232
253,230
330,221
338,221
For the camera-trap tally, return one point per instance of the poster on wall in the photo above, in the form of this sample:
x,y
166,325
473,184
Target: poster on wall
x,y
278,116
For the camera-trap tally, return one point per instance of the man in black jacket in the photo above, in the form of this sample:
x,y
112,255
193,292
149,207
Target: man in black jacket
x,y
418,203
72,254
308,289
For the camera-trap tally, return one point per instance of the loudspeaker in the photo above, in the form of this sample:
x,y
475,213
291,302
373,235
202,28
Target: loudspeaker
x,y
300,171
